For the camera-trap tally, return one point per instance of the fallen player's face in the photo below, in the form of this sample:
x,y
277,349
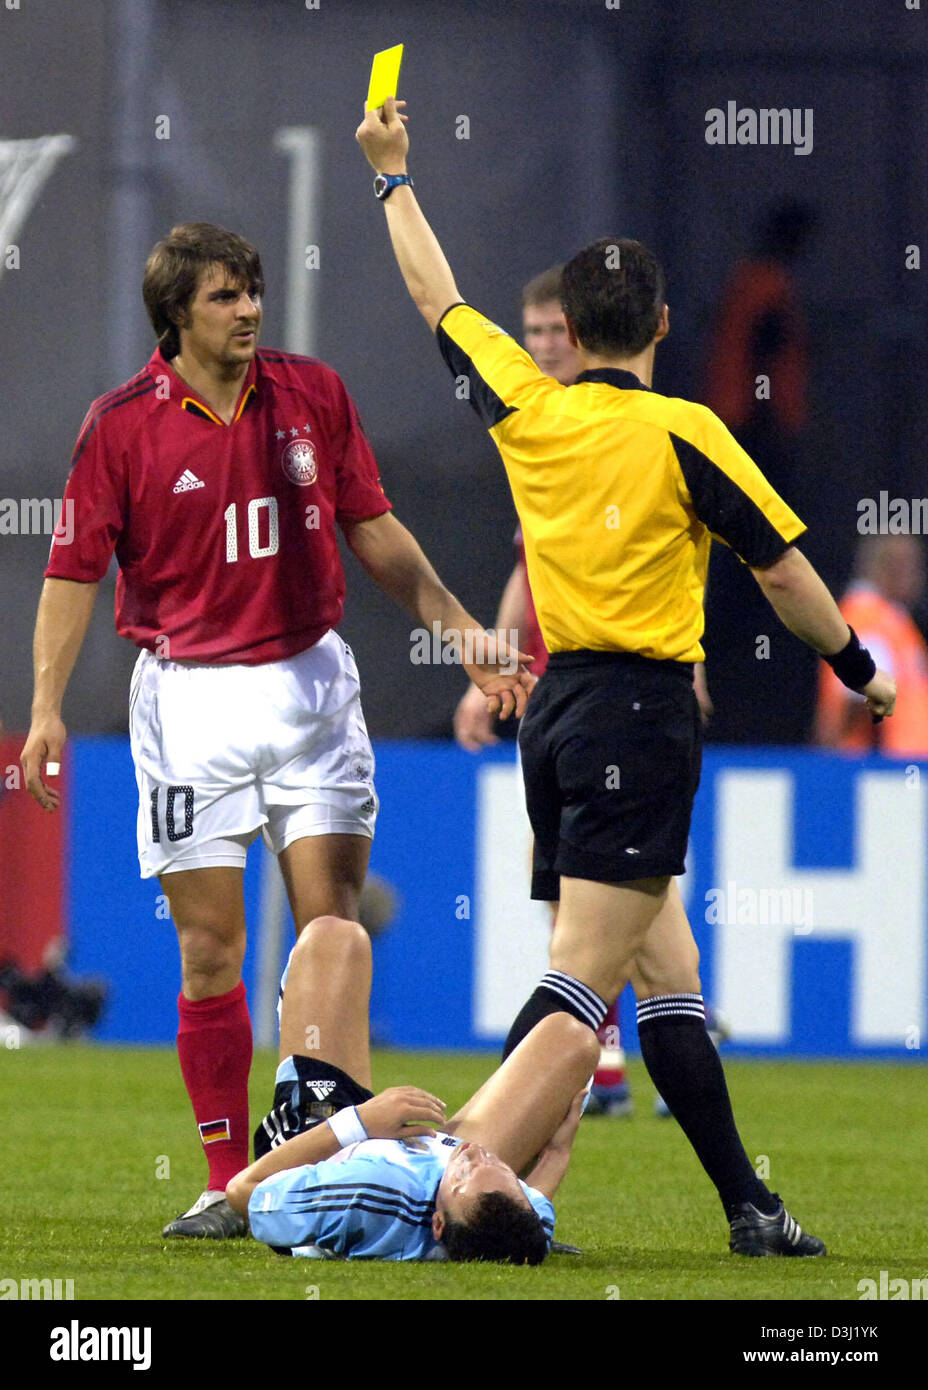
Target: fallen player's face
x,y
471,1171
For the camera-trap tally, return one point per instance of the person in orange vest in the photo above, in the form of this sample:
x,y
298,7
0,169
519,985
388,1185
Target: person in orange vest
x,y
757,373
757,382
890,579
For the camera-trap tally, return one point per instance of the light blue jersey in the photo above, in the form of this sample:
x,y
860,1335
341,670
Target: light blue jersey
x,y
372,1201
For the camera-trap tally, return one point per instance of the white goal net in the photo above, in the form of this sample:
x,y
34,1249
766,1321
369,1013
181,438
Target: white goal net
x,y
25,166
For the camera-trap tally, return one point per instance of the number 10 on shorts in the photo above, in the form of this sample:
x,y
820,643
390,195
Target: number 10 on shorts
x,y
171,810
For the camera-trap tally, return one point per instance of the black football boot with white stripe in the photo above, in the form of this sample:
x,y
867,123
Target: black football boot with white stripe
x,y
752,1233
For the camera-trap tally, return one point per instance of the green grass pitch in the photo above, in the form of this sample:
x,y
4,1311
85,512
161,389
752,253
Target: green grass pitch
x,y
87,1130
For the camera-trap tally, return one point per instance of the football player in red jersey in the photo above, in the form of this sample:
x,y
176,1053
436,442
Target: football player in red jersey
x,y
217,474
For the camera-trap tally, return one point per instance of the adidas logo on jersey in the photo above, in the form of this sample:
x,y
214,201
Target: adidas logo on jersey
x,y
188,481
321,1089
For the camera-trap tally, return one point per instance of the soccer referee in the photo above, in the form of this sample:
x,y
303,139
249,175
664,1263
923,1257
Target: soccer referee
x,y
619,491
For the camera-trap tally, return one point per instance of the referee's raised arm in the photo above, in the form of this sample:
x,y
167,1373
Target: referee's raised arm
x,y
383,138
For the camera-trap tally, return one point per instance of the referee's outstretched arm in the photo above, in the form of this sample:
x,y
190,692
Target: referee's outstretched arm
x,y
382,136
802,602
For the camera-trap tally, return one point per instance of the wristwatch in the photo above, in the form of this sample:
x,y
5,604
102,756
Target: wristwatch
x,y
384,184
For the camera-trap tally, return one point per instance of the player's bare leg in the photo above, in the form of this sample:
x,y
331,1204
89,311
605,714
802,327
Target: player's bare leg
x,y
214,1041
600,927
667,962
324,875
517,1110
208,910
327,997
610,1093
513,1114
598,930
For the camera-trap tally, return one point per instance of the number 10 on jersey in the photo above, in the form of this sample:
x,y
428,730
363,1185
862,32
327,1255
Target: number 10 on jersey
x,y
256,550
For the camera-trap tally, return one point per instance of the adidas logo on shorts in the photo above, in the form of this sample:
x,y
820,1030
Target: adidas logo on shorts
x,y
321,1089
188,481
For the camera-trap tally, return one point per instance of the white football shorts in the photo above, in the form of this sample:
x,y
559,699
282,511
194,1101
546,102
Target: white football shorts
x,y
222,752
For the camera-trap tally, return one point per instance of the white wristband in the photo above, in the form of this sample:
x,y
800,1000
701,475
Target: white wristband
x,y
346,1126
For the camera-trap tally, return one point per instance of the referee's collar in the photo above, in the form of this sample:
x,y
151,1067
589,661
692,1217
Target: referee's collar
x,y
613,376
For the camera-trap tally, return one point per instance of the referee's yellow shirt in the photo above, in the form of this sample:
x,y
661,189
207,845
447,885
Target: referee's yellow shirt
x,y
619,491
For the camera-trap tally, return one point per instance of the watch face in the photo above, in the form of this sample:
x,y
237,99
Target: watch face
x,y
380,185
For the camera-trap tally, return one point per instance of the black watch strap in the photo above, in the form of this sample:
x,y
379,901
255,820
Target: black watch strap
x,y
384,184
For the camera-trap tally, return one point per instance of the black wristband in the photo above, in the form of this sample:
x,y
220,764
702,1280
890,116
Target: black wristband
x,y
853,664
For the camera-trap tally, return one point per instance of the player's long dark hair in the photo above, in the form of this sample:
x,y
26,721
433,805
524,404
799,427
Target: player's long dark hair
x,y
173,269
501,1229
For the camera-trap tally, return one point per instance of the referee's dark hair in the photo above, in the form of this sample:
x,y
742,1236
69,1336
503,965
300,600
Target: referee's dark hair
x,y
501,1230
613,292
172,272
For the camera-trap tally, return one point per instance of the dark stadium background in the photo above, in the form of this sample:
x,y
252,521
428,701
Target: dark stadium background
x,y
584,121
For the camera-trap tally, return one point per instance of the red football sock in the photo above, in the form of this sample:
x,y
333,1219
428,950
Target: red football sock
x,y
214,1046
611,1069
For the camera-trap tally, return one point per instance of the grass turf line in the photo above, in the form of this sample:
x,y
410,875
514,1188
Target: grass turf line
x,y
88,1127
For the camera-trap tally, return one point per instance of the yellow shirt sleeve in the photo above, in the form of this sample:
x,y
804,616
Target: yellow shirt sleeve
x,y
500,375
729,493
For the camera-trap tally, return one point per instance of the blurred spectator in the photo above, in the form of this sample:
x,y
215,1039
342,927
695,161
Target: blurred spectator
x,y
38,998
757,374
35,993
890,579
757,383
51,1003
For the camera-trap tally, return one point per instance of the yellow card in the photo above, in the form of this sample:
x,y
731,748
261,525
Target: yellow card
x,y
385,76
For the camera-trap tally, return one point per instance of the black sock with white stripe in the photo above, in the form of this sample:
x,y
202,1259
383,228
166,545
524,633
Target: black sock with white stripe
x,y
685,1068
557,993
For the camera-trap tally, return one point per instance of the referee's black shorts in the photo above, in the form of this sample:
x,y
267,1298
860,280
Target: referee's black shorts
x,y
611,746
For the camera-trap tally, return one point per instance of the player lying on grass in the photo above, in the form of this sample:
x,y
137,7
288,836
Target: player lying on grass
x,y
343,1172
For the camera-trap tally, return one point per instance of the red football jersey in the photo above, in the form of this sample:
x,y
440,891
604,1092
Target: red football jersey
x,y
224,534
